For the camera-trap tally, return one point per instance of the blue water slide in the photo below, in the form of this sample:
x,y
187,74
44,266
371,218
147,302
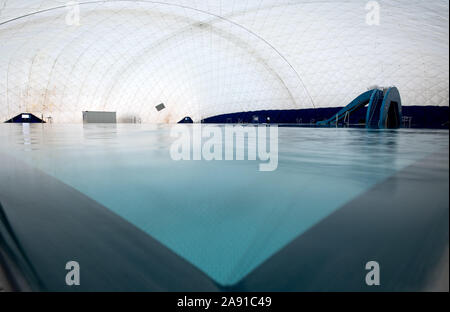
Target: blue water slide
x,y
391,110
361,101
374,108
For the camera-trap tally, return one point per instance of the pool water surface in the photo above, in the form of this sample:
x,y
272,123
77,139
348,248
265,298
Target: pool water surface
x,y
224,217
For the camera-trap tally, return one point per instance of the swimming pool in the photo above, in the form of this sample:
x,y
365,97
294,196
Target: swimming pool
x,y
226,218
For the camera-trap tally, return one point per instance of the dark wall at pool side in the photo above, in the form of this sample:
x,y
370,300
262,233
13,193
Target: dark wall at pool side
x,y
432,117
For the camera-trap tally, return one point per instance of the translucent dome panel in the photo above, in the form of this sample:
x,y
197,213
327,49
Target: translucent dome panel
x,y
204,58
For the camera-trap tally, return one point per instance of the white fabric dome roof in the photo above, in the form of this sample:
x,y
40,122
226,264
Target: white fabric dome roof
x,y
210,57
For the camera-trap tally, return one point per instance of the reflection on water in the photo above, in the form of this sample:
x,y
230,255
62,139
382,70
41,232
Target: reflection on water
x,y
225,217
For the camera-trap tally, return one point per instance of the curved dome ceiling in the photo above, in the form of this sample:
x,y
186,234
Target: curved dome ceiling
x,y
204,58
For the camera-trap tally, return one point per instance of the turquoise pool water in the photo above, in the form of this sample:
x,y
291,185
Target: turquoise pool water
x,y
224,217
